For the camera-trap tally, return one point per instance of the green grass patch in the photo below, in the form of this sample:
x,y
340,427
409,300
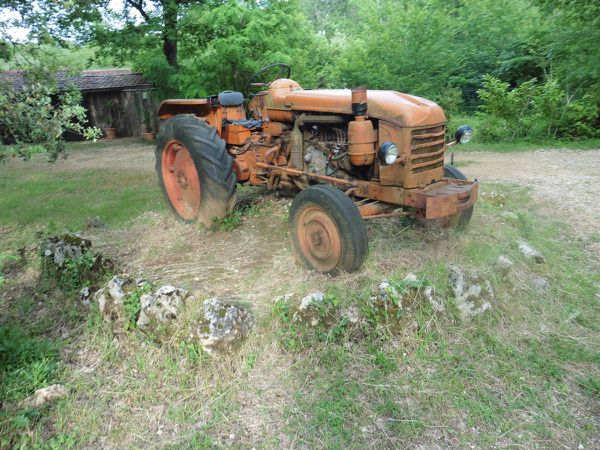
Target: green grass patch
x,y
481,376
27,362
105,144
68,199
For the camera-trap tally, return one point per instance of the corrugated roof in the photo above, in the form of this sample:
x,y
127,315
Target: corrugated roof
x,y
87,80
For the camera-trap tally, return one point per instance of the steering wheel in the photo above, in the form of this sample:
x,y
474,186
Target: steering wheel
x,y
284,72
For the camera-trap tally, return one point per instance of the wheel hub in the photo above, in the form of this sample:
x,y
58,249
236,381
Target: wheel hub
x,y
181,180
319,239
316,239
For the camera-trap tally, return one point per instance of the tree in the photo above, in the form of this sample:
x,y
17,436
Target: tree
x,y
438,49
168,12
224,45
49,20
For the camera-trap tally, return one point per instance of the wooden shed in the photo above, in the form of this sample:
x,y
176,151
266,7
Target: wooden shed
x,y
118,98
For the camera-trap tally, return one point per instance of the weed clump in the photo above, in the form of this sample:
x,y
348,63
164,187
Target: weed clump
x,y
69,262
235,217
27,363
317,319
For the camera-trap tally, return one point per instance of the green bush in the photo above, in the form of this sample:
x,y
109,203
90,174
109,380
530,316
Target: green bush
x,y
535,110
33,120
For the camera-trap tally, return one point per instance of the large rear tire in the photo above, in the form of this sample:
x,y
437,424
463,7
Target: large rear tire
x,y
459,220
326,230
195,172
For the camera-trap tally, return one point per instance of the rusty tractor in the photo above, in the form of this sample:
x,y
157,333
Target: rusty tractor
x,y
349,155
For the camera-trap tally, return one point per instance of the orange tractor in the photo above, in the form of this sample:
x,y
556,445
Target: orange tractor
x,y
350,154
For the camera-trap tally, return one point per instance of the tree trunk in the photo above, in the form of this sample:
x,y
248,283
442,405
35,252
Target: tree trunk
x,y
170,10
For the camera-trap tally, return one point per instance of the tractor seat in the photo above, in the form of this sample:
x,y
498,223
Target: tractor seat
x,y
246,123
231,98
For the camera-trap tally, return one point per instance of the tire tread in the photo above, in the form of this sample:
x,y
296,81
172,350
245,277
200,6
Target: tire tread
x,y
203,143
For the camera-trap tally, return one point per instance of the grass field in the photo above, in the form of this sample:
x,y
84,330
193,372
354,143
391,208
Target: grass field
x,y
39,195
524,374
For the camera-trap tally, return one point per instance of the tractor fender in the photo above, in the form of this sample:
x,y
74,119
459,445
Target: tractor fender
x,y
198,107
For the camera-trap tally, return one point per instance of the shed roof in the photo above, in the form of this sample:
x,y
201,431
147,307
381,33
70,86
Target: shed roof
x,y
87,81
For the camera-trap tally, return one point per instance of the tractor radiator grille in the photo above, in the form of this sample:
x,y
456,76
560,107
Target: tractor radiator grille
x,y
427,149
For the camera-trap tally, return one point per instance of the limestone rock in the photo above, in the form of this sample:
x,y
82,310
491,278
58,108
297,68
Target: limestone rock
x,y
310,309
352,314
85,295
387,296
386,302
531,253
435,301
45,395
504,264
111,298
541,284
411,277
316,298
58,249
472,292
161,308
221,326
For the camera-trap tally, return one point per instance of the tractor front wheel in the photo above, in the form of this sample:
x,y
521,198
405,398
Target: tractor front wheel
x,y
326,230
194,170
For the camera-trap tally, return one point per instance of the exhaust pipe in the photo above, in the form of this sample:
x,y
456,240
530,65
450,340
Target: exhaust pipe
x,y
359,101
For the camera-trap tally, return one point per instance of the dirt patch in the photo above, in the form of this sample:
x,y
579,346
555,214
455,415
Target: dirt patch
x,y
564,182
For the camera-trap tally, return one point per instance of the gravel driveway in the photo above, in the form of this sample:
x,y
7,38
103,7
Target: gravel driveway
x,y
566,183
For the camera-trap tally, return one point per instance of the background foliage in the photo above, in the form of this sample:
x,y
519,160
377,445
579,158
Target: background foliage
x,y
530,68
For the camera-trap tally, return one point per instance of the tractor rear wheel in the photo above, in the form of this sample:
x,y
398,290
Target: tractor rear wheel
x,y
461,219
195,172
326,230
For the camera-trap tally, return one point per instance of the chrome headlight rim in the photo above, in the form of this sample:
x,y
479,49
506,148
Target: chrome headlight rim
x,y
388,153
463,134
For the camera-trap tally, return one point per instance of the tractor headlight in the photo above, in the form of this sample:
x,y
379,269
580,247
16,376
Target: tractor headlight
x,y
388,153
464,134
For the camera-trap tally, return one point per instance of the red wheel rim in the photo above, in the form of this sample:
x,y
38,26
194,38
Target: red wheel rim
x,y
181,180
319,239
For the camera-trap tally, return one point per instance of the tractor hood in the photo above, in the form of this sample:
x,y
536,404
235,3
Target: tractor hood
x,y
399,109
